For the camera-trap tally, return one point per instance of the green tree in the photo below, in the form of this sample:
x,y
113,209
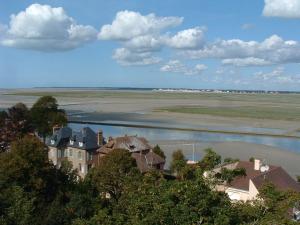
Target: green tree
x,y
178,163
210,160
27,166
115,170
298,179
45,115
251,159
157,150
19,206
228,175
14,124
229,160
277,204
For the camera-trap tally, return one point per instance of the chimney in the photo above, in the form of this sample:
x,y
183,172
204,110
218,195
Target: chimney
x,y
257,164
100,138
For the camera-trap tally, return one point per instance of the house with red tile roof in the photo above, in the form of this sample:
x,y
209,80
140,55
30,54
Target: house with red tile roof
x,y
139,148
244,188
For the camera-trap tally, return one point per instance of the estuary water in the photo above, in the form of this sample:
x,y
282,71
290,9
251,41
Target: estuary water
x,y
155,134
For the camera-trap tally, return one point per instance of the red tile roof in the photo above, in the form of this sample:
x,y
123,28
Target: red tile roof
x,y
276,175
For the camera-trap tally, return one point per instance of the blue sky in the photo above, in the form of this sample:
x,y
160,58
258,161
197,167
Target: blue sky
x,y
228,44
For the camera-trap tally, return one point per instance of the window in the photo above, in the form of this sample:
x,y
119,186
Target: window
x,y
52,142
59,153
90,156
80,144
70,152
71,142
79,155
81,168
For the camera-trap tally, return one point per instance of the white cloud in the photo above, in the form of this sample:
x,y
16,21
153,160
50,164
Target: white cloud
x,y
278,75
282,8
273,50
187,39
147,43
43,28
129,24
175,66
250,61
129,58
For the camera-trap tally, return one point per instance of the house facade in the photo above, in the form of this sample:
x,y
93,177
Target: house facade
x,y
246,188
76,147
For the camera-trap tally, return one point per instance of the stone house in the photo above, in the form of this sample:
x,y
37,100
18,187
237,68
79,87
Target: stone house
x,y
77,147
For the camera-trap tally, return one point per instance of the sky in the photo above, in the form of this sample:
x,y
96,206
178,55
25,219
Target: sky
x,y
206,44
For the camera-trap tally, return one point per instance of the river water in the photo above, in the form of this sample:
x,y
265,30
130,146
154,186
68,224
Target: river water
x,y
153,134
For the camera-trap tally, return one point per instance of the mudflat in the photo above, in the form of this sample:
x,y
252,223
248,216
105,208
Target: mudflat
x,y
221,111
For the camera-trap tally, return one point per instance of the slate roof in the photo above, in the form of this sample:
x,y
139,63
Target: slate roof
x,y
85,139
60,137
275,175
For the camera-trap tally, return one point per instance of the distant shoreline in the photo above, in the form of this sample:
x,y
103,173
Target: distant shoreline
x,y
166,89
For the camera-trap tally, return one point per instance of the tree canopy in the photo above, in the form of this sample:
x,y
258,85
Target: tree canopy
x,y
45,114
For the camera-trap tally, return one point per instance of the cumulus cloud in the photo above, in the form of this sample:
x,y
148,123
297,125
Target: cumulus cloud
x,y
129,24
129,58
146,43
278,75
175,66
43,28
273,50
282,8
187,39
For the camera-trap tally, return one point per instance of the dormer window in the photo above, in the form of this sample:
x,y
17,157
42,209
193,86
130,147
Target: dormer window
x,y
52,142
80,144
71,142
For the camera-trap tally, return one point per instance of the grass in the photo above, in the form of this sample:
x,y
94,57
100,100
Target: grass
x,y
256,112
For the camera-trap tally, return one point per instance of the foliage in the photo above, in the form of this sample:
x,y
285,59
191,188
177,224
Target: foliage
x,y
157,150
30,184
19,206
228,175
45,115
210,160
113,172
14,124
230,160
178,163
298,179
251,159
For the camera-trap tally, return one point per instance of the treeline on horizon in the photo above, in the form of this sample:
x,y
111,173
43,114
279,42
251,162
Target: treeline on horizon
x,y
35,192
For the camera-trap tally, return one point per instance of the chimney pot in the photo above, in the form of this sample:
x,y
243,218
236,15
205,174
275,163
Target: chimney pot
x,y
257,164
100,138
